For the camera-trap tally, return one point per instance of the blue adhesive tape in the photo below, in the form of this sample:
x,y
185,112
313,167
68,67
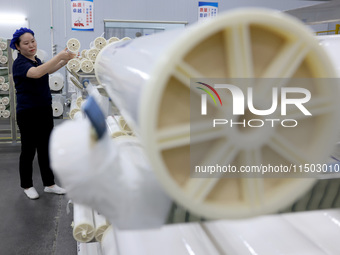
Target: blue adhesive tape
x,y
96,116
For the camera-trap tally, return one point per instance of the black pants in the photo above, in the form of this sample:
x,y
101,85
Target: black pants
x,y
35,127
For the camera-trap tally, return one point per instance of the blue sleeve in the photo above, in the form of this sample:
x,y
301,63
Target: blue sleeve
x,y
20,68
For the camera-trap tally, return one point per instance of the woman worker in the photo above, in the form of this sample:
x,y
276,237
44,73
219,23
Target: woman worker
x,y
34,110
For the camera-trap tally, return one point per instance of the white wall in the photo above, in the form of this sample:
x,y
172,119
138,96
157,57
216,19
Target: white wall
x,y
39,16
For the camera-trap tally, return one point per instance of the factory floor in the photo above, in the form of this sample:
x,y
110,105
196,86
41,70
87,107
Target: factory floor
x,y
31,227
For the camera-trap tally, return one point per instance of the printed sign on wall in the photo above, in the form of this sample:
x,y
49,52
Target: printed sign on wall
x,y
207,10
82,15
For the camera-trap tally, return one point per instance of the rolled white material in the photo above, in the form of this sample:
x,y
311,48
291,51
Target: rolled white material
x,y
57,105
92,54
83,228
83,53
86,65
114,129
3,79
73,45
4,100
2,107
74,107
331,43
101,224
3,46
153,94
6,114
74,64
125,39
109,242
99,43
113,39
116,178
3,60
56,81
5,86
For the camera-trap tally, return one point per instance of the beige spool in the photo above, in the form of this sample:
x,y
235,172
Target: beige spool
x,y
86,65
3,46
74,65
112,40
244,43
74,107
91,54
5,86
3,59
99,43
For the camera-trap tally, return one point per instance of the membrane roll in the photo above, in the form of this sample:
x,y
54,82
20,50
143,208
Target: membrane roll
x,y
99,43
3,59
109,242
4,100
2,107
74,107
83,227
83,53
73,45
101,224
154,96
114,128
125,38
3,79
3,45
5,86
86,65
6,114
74,65
57,105
112,40
56,81
91,54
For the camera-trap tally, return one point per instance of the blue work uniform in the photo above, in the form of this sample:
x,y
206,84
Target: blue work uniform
x,y
34,119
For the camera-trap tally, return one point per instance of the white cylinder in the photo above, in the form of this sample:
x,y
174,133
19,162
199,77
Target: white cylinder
x,y
74,64
101,224
109,242
5,100
3,60
153,94
3,45
112,39
6,114
73,45
2,107
83,229
56,81
74,107
86,65
79,98
57,105
5,86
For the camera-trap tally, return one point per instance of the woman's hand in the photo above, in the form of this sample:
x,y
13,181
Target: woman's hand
x,y
66,55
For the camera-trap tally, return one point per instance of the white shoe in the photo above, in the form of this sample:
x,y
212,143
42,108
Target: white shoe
x,y
31,193
55,189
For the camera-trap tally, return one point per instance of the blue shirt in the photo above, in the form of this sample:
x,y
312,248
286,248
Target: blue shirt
x,y
31,93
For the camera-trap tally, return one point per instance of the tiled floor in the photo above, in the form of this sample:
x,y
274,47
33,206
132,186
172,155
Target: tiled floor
x,y
31,227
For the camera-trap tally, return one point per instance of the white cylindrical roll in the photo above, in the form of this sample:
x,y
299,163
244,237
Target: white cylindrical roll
x,y
73,45
2,79
86,65
57,105
3,59
5,100
83,228
83,53
6,114
5,86
114,128
3,45
92,54
99,43
113,39
2,107
125,39
108,243
153,94
74,107
74,64
101,224
56,81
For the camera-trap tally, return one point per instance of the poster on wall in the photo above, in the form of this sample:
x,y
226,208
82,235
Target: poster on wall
x,y
207,10
82,15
